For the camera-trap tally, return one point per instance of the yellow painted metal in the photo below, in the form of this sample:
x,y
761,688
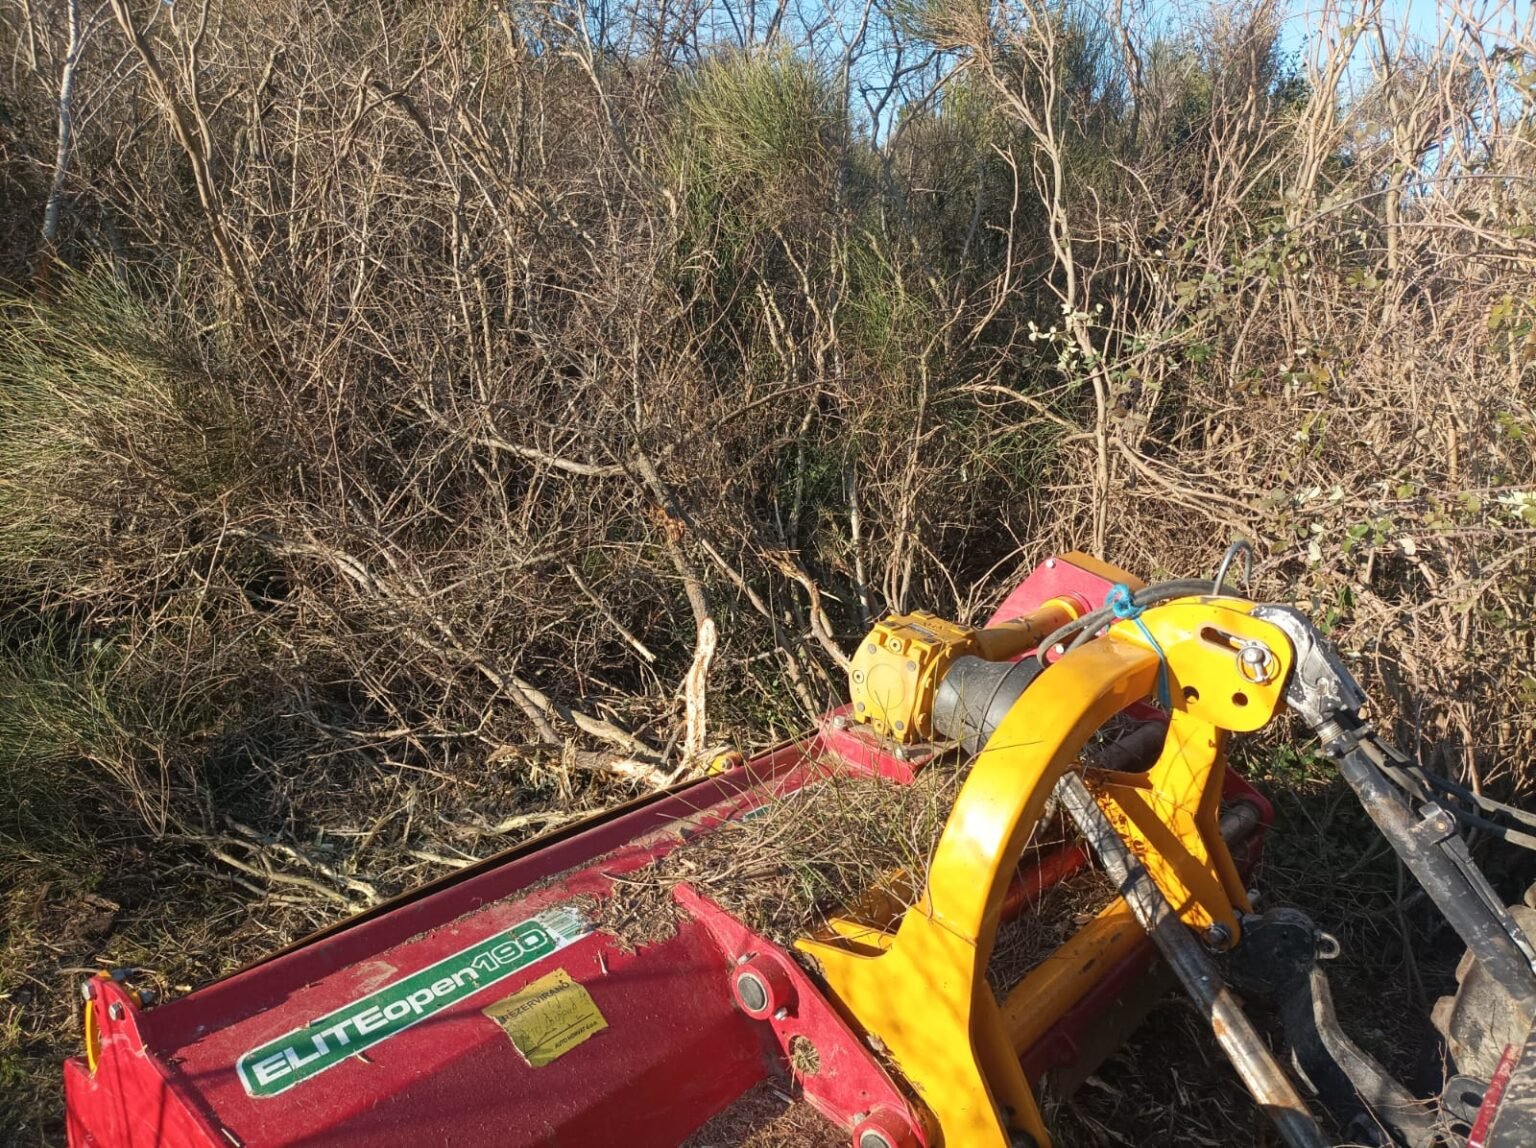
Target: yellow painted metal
x,y
898,667
1020,635
926,998
924,994
1064,977
92,1037
1170,816
92,1026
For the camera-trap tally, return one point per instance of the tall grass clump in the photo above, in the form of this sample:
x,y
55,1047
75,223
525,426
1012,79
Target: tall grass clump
x,y
113,445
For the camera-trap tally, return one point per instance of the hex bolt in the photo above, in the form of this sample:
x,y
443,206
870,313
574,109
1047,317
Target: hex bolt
x,y
1217,936
1050,563
782,1014
115,1011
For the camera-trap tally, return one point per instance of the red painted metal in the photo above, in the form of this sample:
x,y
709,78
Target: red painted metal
x,y
1053,578
848,1081
677,1047
891,1128
865,752
1032,881
1478,1137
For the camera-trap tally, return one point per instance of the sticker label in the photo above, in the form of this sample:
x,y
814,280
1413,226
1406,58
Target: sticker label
x,y
548,1018
306,1052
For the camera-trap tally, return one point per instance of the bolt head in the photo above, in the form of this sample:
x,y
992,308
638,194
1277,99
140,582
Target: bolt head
x,y
116,1011
1050,563
1257,663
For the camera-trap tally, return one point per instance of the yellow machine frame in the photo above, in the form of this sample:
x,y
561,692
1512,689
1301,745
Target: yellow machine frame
x,y
960,1049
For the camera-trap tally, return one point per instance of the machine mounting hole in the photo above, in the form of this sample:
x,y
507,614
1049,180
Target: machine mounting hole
x,y
804,1059
1239,698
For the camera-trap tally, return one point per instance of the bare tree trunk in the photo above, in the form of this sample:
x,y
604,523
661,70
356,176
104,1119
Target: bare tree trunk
x,y
72,56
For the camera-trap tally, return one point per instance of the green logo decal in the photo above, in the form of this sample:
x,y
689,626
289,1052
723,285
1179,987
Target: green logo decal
x,y
305,1052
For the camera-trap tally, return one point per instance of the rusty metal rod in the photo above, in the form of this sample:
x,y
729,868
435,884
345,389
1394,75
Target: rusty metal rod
x,y
1186,956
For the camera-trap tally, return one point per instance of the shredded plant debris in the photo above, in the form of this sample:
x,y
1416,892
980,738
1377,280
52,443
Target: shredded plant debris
x,y
786,866
767,1117
804,1058
1042,927
796,858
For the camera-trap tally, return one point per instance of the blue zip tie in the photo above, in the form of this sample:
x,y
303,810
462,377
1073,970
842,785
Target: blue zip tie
x,y
1123,606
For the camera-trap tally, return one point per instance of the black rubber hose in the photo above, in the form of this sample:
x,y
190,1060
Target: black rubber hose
x,y
1093,621
1483,802
1421,785
976,695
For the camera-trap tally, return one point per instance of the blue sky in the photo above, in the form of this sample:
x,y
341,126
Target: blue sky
x,y
1419,19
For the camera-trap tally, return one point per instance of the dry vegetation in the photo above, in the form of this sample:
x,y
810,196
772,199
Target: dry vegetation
x,y
421,422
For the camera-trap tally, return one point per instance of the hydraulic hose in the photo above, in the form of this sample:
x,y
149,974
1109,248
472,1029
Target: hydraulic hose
x,y
1085,628
1425,786
1420,784
1436,855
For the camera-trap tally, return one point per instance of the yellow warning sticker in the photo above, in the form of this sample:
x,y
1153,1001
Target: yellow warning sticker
x,y
548,1018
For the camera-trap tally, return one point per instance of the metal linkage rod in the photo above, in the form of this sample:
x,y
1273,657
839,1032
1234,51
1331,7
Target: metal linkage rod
x,y
1185,955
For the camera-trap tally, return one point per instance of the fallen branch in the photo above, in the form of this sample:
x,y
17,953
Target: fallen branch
x,y
609,615
695,685
819,626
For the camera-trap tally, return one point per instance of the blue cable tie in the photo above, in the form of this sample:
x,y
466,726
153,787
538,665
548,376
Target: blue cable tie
x,y
1123,606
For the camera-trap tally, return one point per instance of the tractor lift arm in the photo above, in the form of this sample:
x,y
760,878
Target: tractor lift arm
x,y
1324,694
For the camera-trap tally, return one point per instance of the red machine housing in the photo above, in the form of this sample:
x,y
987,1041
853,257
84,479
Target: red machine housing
x,y
688,1024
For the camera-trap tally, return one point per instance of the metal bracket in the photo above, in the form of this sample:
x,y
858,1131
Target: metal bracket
x,y
1321,689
